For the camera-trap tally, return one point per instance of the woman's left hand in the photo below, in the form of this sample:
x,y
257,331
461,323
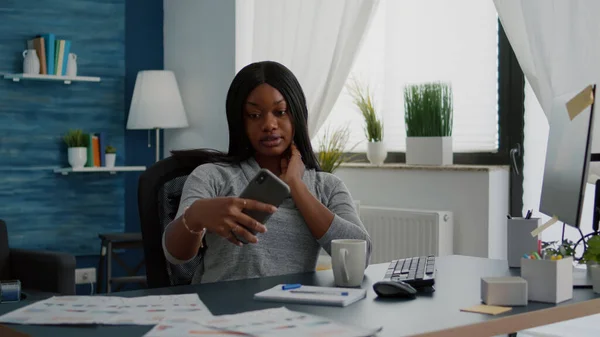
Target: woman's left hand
x,y
292,168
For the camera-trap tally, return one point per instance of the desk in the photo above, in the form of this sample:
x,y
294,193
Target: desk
x,y
457,286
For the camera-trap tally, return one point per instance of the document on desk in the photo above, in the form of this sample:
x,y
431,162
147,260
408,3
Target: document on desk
x,y
340,297
269,322
109,310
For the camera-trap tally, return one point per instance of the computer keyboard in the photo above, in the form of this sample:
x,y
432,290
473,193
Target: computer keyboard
x,y
418,271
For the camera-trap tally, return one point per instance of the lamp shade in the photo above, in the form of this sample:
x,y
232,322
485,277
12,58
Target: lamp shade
x,y
156,102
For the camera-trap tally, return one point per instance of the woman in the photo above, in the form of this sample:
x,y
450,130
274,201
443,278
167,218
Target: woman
x,y
267,118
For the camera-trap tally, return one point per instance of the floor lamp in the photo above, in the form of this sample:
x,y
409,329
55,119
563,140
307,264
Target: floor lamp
x,y
156,104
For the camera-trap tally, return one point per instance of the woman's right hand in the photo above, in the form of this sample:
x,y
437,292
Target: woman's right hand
x,y
224,216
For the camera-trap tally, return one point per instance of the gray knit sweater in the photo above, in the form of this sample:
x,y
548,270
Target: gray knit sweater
x,y
288,246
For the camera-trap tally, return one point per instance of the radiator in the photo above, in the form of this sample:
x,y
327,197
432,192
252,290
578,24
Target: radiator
x,y
399,233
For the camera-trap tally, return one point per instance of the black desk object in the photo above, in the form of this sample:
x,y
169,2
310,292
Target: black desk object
x,y
457,286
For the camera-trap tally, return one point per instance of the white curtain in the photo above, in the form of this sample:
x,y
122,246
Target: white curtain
x,y
557,44
316,39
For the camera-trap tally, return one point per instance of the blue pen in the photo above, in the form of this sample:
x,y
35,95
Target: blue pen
x,y
343,293
529,213
290,286
526,256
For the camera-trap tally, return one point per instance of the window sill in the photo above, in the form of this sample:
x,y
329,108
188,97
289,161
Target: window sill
x,y
400,166
460,159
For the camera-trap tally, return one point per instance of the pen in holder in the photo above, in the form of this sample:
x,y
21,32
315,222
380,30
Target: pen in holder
x,y
519,240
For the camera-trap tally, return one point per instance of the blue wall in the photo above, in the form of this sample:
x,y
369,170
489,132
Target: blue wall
x,y
45,210
114,39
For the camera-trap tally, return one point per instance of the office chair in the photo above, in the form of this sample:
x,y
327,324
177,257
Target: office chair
x,y
159,193
39,271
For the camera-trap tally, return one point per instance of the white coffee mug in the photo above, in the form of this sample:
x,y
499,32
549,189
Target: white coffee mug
x,y
348,260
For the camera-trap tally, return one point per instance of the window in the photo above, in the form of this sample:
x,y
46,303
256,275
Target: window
x,y
424,41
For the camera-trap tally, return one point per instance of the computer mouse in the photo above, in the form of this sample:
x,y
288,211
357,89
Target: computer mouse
x,y
394,289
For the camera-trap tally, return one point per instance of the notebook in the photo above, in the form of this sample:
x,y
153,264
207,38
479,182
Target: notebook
x,y
339,297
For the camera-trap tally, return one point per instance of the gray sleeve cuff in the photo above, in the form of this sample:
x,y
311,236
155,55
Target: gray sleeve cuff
x,y
341,228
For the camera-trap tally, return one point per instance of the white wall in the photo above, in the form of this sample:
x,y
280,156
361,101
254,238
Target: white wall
x,y
199,38
477,198
498,208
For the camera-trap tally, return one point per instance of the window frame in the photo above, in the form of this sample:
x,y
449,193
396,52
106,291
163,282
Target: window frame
x,y
511,109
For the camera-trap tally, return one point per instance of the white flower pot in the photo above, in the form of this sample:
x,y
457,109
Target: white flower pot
x,y
595,269
110,159
589,265
77,156
429,150
376,153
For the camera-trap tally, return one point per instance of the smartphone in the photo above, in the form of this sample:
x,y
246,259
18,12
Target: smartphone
x,y
266,188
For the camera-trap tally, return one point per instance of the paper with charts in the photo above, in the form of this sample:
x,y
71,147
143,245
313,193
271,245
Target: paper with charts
x,y
269,322
110,310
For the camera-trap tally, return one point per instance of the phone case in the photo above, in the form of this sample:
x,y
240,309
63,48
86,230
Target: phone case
x,y
266,188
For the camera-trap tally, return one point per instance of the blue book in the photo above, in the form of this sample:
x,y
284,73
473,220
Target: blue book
x,y
102,141
49,42
66,56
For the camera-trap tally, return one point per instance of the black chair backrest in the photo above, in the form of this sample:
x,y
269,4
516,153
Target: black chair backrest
x,y
159,193
4,250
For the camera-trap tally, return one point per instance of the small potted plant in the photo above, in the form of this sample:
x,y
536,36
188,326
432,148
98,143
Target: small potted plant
x,y
362,98
567,248
77,143
331,148
592,257
110,154
428,115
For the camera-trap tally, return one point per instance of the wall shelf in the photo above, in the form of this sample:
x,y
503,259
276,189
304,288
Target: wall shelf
x,y
65,79
111,170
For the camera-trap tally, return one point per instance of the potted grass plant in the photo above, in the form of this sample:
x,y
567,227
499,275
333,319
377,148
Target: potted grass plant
x,y
428,109
331,148
110,154
362,98
77,143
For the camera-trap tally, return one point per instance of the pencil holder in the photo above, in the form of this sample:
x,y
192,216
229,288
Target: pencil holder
x,y
519,239
549,281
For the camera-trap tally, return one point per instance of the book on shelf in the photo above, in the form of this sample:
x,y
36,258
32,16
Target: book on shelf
x,y
95,153
102,143
49,41
62,55
90,151
65,58
38,43
54,55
